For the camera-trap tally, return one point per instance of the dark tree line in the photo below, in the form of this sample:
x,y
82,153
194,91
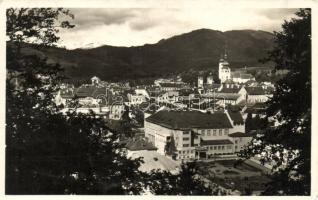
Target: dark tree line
x,y
289,144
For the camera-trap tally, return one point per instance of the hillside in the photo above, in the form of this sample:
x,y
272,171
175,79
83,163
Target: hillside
x,y
199,49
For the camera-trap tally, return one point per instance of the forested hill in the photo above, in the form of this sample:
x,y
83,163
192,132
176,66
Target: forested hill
x,y
199,49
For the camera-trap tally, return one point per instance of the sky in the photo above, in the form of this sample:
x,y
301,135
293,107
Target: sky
x,y
135,27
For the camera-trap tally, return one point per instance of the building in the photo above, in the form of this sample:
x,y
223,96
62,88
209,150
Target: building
x,y
171,86
95,80
116,110
256,95
168,97
195,134
63,96
238,77
209,79
224,69
200,81
136,99
226,74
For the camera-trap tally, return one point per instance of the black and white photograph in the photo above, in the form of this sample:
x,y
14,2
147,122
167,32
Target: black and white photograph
x,y
210,99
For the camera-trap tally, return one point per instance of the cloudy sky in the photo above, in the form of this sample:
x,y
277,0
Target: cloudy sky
x,y
133,27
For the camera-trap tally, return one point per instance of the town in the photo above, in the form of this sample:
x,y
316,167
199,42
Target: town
x,y
186,100
171,122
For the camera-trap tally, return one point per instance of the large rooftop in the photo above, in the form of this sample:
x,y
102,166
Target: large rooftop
x,y
181,120
255,90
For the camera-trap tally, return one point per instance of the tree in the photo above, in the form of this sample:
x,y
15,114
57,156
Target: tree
x,y
48,152
289,144
125,128
185,182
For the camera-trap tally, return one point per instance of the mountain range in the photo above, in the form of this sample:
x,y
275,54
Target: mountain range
x,y
200,50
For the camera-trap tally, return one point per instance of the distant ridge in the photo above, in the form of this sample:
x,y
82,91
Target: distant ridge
x,y
198,49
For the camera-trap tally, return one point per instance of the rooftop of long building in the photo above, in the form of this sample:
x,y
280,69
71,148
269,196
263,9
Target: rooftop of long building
x,y
180,120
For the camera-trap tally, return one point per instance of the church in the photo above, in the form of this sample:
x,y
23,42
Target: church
x,y
226,75
237,76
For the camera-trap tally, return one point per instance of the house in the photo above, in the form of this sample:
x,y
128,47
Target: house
x,y
225,98
142,91
171,86
116,110
256,95
254,110
238,77
208,88
153,91
63,96
95,80
137,96
194,133
168,97
228,98
240,140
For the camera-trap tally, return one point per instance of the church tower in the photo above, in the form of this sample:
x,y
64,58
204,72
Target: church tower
x,y
224,69
200,81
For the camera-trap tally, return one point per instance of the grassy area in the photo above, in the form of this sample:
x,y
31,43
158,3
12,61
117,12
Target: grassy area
x,y
242,177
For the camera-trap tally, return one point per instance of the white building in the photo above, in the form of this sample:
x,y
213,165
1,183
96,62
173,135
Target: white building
x,y
224,69
238,77
209,79
141,91
196,134
200,81
136,99
168,97
256,95
95,80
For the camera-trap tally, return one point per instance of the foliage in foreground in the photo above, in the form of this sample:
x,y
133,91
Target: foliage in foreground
x,y
51,153
288,146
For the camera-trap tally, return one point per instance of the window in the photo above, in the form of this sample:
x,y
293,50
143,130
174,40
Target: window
x,y
235,141
229,147
219,147
214,132
209,132
203,132
211,147
192,151
185,139
215,147
220,132
186,132
183,152
180,152
226,131
186,145
223,147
